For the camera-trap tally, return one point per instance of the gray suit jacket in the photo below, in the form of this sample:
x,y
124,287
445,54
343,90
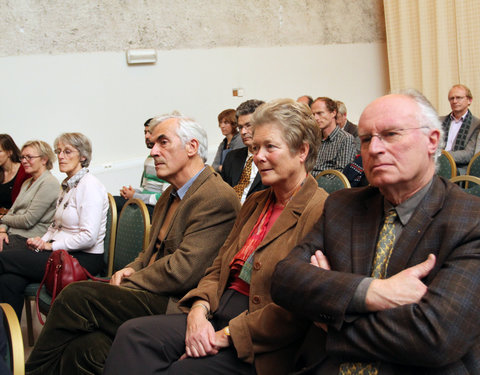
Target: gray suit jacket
x,y
439,335
199,227
462,157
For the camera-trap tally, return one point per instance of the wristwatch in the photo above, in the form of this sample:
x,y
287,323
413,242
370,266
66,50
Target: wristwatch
x,y
226,330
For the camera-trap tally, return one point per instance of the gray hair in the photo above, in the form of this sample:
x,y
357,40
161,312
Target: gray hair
x,y
427,116
80,142
187,130
248,107
341,108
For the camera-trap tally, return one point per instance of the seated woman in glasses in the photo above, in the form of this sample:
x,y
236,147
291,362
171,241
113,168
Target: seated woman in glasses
x,y
78,225
232,324
32,212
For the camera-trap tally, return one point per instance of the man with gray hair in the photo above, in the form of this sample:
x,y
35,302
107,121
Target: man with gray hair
x,y
390,273
191,221
342,121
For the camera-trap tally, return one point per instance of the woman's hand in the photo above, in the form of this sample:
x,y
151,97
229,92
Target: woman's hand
x,y
221,339
37,244
200,338
3,239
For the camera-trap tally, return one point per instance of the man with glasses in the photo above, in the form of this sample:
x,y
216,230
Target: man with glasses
x,y
461,127
390,273
239,170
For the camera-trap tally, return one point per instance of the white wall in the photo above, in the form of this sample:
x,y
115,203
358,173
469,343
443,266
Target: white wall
x,y
101,96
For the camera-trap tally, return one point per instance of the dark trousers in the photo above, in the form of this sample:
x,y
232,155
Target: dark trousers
x,y
120,202
82,323
20,266
152,345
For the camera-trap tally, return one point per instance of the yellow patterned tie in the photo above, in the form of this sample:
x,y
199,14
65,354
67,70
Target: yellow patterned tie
x,y
244,178
385,243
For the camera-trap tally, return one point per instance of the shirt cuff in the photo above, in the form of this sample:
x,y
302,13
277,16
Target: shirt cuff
x,y
357,304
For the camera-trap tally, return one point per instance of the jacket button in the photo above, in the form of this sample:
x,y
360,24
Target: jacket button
x,y
257,266
256,300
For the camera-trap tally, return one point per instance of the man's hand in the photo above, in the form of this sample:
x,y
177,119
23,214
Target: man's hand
x,y
319,260
401,289
120,275
3,239
127,192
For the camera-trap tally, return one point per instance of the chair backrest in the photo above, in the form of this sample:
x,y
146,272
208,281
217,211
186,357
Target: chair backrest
x,y
15,352
447,167
110,233
331,180
474,187
473,168
133,233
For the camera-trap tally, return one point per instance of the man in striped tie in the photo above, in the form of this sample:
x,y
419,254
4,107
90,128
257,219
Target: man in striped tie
x,y
238,170
390,274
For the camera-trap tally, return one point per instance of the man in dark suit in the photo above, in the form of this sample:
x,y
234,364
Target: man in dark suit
x,y
238,170
191,221
461,127
390,273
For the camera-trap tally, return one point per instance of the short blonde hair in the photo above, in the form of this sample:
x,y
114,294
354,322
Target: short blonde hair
x,y
44,150
297,124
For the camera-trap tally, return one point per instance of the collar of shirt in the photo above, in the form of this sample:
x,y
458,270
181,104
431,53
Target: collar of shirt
x,y
406,209
332,135
452,117
183,190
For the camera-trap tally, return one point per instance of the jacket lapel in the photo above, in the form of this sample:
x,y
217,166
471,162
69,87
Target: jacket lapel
x,y
365,227
416,227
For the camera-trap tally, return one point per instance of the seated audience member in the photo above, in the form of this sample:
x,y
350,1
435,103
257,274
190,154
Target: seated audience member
x,y
305,99
396,293
78,225
191,221
342,121
232,325
33,210
461,127
12,173
337,148
238,170
227,122
151,187
354,172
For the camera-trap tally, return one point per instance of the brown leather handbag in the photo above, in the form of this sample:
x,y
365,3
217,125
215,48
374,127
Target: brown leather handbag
x,y
61,270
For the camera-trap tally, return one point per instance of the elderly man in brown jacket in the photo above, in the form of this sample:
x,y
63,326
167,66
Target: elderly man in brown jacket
x,y
191,221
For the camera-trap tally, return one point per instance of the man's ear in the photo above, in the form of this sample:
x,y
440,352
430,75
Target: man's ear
x,y
192,147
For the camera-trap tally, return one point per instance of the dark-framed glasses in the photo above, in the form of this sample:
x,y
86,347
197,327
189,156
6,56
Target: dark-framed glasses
x,y
387,136
28,157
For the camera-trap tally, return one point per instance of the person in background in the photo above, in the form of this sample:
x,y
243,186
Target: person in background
x,y
305,99
232,326
151,187
12,173
33,210
78,225
227,122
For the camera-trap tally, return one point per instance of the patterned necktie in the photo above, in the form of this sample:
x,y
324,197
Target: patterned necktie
x,y
244,178
385,243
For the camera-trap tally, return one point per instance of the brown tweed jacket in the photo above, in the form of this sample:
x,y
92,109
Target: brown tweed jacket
x,y
266,334
199,227
439,335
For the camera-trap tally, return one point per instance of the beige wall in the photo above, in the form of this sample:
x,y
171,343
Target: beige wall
x,y
68,87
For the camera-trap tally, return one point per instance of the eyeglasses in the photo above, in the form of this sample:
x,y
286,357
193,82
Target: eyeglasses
x,y
67,152
457,98
387,136
28,157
